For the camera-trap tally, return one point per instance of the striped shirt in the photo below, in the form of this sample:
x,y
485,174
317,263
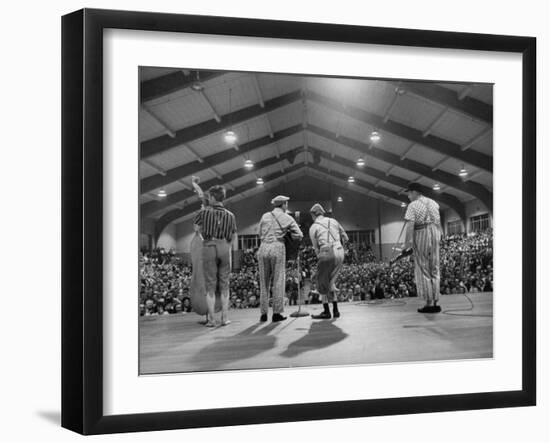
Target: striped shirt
x,y
216,222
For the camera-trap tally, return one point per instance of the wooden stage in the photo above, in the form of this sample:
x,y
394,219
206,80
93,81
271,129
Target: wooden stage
x,y
391,331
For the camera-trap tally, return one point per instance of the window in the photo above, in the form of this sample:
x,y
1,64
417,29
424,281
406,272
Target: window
x,y
454,227
361,237
479,223
249,241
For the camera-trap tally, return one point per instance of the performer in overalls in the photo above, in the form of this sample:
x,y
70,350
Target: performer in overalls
x,y
328,239
423,234
272,256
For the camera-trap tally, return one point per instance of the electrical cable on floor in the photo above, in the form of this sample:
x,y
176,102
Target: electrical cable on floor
x,y
470,309
382,303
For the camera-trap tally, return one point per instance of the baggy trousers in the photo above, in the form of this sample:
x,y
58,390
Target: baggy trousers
x,y
426,262
330,261
272,266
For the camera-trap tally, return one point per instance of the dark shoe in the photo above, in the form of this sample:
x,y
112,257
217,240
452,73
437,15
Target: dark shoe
x,y
336,314
436,309
278,317
428,309
263,317
322,316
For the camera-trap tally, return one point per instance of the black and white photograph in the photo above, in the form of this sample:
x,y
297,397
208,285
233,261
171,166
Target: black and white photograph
x,y
299,221
278,221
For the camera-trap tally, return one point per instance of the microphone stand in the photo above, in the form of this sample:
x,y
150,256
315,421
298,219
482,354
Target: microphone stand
x,y
299,312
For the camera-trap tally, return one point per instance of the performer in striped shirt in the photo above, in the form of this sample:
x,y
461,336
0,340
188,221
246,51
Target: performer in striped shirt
x,y
218,227
423,234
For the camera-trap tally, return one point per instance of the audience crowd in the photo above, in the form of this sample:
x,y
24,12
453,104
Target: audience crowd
x,y
466,266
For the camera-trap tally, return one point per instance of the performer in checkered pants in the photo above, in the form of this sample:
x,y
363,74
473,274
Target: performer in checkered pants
x,y
423,234
272,256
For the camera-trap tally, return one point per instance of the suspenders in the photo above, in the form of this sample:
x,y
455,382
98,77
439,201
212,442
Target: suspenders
x,y
328,231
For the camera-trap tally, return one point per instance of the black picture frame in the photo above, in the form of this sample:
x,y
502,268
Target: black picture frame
x,y
82,220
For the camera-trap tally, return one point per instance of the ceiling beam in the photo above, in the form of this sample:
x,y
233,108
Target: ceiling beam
x,y
358,182
408,150
474,189
163,143
447,97
155,167
157,119
476,138
258,90
195,153
448,199
172,175
432,142
465,92
210,106
398,91
146,209
344,186
171,216
173,82
435,122
189,210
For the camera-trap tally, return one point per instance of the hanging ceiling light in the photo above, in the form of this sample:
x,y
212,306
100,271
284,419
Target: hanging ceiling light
x,y
399,91
197,84
161,193
360,162
437,187
248,164
463,173
260,181
339,199
375,136
230,137
351,179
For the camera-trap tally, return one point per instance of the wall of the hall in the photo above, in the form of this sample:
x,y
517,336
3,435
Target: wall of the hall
x,y
473,208
146,233
356,212
168,238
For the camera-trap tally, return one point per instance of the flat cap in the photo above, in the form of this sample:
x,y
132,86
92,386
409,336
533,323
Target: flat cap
x,y
280,199
414,187
317,209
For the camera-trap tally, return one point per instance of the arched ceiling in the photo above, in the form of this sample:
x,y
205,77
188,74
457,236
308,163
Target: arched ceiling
x,y
297,125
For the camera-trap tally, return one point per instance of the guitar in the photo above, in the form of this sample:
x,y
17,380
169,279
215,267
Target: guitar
x,y
404,253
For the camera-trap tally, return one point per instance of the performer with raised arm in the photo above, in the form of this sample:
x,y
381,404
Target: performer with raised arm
x,y
218,228
328,239
197,289
272,256
423,234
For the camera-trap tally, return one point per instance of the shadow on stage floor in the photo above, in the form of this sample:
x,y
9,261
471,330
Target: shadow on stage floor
x,y
365,333
321,335
246,344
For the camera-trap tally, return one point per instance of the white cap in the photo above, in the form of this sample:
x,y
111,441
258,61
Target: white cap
x,y
279,199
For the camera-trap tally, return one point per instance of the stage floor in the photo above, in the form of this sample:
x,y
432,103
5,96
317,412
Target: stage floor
x,y
389,332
